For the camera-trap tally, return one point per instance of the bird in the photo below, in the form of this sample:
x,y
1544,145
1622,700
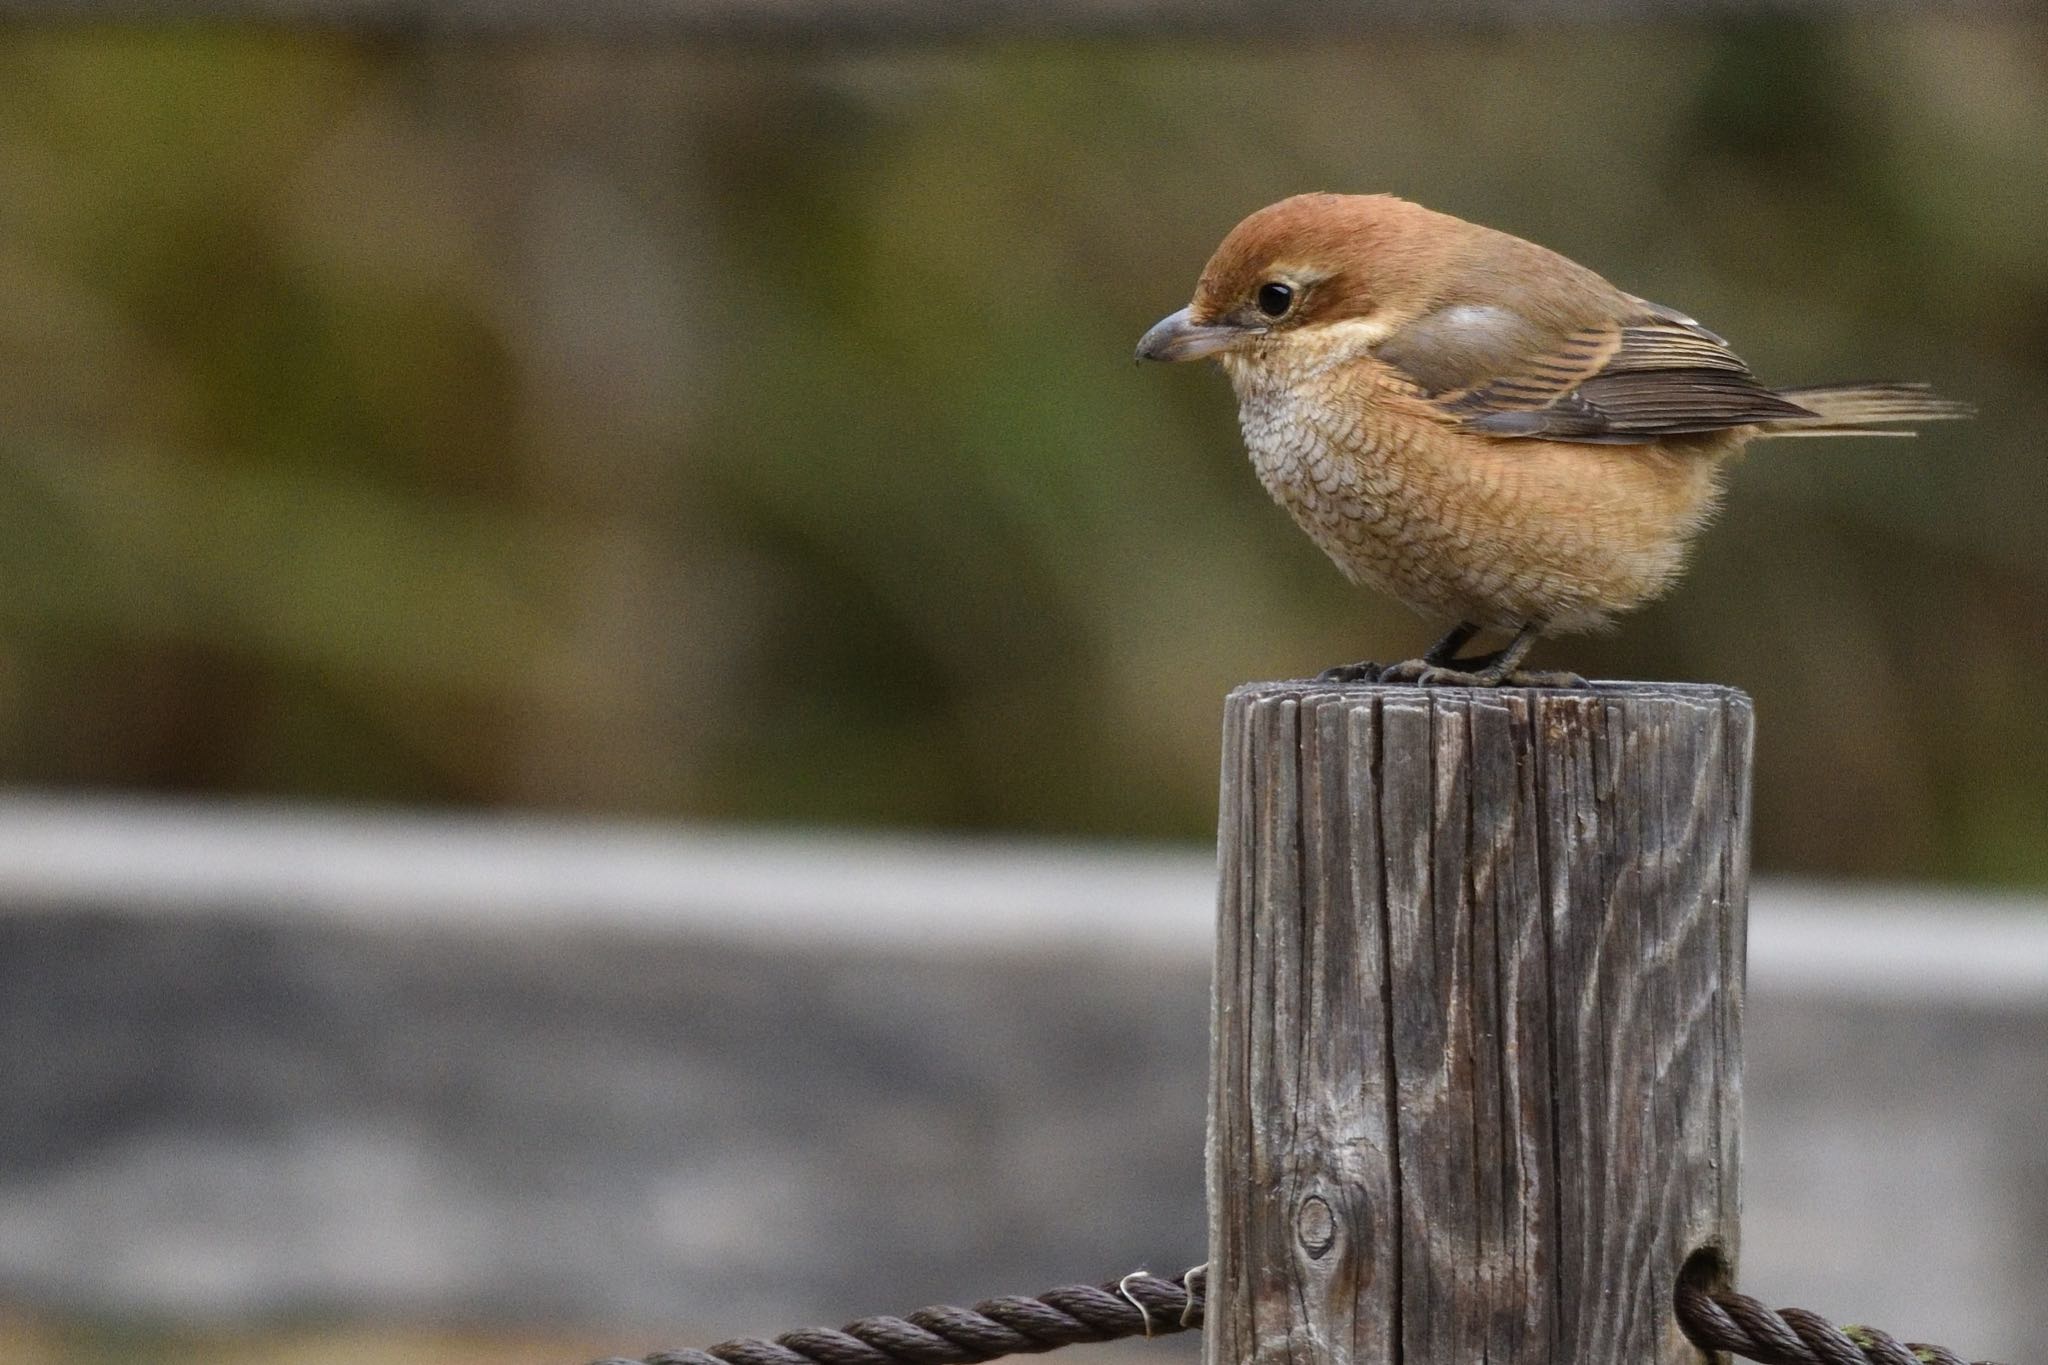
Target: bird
x,y
1480,427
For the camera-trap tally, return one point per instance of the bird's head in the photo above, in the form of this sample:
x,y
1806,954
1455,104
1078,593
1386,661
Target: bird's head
x,y
1318,275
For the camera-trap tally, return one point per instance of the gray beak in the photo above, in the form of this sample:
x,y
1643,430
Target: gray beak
x,y
1176,337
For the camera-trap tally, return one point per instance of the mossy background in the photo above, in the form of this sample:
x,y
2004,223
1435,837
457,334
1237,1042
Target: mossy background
x,y
743,435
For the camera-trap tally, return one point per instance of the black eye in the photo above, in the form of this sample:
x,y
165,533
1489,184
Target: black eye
x,y
1275,298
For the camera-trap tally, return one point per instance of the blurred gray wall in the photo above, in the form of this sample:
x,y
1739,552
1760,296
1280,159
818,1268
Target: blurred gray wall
x,y
260,1061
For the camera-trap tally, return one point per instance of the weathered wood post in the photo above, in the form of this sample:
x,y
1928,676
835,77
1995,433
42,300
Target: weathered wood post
x,y
1476,1084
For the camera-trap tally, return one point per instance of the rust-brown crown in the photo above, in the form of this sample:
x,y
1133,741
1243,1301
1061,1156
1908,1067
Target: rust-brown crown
x,y
1343,255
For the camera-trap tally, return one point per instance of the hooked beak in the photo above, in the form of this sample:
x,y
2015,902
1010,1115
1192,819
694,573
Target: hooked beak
x,y
1178,337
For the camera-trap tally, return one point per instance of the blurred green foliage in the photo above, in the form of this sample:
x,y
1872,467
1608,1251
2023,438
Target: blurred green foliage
x,y
754,435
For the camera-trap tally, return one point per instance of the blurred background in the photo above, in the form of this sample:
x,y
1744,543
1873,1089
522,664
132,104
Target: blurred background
x,y
730,421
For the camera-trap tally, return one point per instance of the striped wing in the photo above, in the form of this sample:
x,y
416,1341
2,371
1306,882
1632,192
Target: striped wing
x,y
1652,374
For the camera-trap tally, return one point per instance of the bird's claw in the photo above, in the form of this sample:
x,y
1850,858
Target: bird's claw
x,y
1423,673
1352,673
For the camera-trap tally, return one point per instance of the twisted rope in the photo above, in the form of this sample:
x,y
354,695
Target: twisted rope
x,y
1723,1320
1136,1305
1150,1305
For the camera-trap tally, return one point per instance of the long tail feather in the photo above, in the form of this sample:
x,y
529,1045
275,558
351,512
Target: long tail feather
x,y
1860,409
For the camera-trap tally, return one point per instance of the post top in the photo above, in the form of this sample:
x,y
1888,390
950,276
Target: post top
x,y
1697,694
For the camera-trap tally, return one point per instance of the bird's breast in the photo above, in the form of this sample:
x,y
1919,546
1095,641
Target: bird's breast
x,y
1465,526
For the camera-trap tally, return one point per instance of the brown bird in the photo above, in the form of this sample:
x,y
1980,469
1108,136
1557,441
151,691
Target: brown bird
x,y
1484,429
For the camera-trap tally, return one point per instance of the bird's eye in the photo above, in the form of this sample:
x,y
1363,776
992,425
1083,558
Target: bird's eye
x,y
1275,298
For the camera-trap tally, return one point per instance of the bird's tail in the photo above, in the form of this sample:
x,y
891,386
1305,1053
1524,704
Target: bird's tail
x,y
1864,410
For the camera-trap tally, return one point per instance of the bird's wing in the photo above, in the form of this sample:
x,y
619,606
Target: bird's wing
x,y
1647,373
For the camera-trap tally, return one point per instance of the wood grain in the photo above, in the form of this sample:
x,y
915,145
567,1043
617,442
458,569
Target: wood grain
x,y
1476,1086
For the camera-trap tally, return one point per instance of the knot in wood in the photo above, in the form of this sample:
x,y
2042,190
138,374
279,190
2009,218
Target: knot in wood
x,y
1315,1225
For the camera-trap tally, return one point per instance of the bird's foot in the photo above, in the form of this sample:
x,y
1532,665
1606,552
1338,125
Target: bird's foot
x,y
1423,673
1480,673
1352,673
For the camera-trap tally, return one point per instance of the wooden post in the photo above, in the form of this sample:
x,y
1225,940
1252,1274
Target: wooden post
x,y
1476,1086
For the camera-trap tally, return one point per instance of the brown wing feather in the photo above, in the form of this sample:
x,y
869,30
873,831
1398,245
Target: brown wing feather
x,y
1652,373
